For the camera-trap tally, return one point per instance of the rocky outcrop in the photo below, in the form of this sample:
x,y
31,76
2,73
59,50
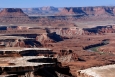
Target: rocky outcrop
x,y
43,38
14,43
100,30
97,71
107,29
82,31
20,43
66,56
55,37
12,12
67,31
95,11
71,11
13,15
49,38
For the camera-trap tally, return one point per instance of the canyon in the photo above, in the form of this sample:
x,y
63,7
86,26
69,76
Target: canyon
x,y
57,42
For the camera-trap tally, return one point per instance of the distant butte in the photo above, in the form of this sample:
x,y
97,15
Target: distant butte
x,y
96,11
12,12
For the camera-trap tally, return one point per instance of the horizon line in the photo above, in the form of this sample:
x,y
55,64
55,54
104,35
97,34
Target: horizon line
x,y
62,7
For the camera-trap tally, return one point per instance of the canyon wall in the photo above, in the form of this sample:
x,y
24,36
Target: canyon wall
x,y
100,30
67,31
94,11
97,71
